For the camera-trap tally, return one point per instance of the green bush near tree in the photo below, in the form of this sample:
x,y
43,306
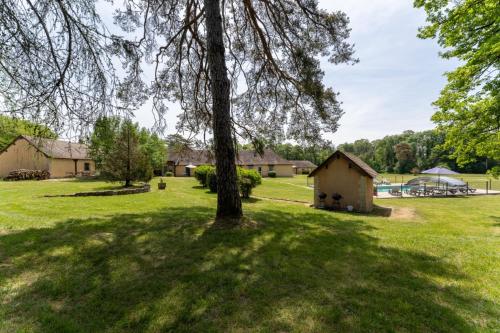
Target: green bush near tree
x,y
247,179
252,175
201,172
272,174
211,180
245,186
169,174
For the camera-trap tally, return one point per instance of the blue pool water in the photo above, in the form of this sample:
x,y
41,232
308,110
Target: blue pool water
x,y
386,188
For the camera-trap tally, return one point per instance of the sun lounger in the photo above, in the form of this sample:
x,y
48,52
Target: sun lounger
x,y
437,191
395,191
414,191
466,190
452,191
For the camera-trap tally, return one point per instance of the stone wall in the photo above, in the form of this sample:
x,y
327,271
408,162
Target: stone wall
x,y
131,190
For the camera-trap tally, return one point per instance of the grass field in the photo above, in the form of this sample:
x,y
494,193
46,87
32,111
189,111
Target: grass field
x,y
152,263
286,188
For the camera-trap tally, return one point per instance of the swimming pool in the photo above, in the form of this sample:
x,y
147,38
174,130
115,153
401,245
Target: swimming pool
x,y
386,188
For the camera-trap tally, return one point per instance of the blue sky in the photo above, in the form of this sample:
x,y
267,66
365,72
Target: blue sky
x,y
399,75
392,87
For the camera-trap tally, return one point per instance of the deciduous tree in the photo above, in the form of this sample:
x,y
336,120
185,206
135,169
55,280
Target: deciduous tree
x,y
469,105
103,138
10,128
405,157
127,161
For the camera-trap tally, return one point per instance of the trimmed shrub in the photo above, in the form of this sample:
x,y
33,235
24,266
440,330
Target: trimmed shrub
x,y
272,174
201,172
250,174
247,180
211,181
305,172
246,187
169,174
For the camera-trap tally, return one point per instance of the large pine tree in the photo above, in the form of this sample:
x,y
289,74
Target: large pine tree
x,y
238,68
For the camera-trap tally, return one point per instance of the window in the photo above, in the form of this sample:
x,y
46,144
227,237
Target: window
x,y
86,166
271,167
260,170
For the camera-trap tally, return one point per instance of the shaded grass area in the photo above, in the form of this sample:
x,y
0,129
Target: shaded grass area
x,y
154,264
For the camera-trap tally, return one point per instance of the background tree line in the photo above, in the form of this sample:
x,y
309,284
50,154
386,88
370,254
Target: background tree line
x,y
315,153
400,153
11,128
413,152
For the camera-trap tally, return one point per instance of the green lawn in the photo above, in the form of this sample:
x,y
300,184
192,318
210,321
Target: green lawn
x,y
152,263
287,188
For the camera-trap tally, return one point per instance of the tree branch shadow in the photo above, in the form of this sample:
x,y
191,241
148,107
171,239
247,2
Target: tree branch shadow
x,y
170,271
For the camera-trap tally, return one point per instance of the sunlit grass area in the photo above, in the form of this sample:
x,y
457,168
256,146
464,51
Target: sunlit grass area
x,y
152,263
287,188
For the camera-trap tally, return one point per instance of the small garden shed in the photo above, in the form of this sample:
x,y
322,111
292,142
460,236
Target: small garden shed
x,y
344,180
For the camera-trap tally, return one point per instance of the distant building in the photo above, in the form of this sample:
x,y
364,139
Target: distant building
x,y
346,175
60,158
302,167
183,164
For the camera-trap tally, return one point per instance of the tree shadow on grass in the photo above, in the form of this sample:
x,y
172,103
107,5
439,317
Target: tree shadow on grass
x,y
250,200
170,271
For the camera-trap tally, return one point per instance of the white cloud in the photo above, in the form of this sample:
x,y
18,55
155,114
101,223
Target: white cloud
x,y
398,76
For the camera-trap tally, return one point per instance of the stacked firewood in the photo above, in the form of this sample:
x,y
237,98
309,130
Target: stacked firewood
x,y
24,174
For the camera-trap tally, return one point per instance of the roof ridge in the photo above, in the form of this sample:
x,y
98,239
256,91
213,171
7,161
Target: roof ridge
x,y
56,148
354,159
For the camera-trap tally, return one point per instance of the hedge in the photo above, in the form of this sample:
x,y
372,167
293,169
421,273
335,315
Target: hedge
x,y
211,180
201,173
247,179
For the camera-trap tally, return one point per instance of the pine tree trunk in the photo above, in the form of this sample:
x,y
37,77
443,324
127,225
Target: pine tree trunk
x,y
228,198
127,180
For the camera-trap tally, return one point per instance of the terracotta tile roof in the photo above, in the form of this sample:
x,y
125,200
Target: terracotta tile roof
x,y
365,168
194,157
59,149
303,164
245,157
360,163
248,157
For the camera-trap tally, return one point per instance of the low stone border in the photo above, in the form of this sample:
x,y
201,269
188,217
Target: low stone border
x,y
283,200
133,190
